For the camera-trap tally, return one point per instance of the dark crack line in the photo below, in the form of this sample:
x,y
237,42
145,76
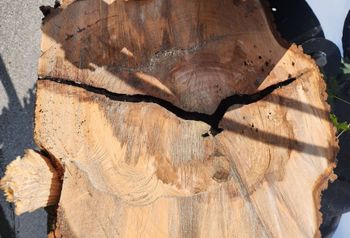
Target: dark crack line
x,y
212,120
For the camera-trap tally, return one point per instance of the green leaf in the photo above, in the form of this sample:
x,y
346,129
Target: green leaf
x,y
334,119
345,68
344,126
341,126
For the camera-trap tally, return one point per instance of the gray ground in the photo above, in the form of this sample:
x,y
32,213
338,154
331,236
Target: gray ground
x,y
19,52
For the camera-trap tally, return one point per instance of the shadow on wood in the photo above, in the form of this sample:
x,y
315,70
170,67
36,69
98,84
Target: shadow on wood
x,y
137,169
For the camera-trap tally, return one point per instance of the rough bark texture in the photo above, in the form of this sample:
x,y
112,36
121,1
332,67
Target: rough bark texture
x,y
135,101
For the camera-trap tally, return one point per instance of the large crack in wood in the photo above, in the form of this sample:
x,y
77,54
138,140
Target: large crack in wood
x,y
212,120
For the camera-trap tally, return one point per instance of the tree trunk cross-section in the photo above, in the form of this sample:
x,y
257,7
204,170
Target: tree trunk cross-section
x,y
177,118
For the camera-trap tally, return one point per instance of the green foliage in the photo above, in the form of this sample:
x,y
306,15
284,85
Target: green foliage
x,y
345,68
341,126
333,90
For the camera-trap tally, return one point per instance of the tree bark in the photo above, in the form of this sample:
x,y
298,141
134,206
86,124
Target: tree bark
x,y
176,118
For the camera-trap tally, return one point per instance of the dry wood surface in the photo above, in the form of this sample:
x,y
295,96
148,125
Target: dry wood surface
x,y
177,118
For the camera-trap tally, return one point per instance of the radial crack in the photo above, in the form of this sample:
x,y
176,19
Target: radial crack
x,y
212,120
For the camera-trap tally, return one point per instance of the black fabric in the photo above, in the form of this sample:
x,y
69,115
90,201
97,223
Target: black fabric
x,y
329,49
295,20
335,202
346,37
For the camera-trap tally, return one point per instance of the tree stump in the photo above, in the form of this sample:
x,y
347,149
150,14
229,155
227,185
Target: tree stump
x,y
176,118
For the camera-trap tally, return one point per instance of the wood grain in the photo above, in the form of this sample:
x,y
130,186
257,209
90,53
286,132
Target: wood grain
x,y
136,169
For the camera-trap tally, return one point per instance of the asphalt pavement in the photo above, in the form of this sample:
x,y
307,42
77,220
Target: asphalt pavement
x,y
19,52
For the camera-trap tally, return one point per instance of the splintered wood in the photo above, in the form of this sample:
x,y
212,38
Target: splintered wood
x,y
127,101
31,182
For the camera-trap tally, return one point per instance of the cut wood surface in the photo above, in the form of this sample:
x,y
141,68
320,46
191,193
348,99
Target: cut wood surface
x,y
176,118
